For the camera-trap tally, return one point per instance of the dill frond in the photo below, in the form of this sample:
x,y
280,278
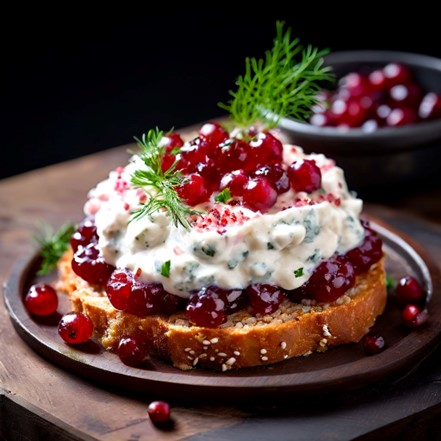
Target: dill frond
x,y
278,85
53,245
158,184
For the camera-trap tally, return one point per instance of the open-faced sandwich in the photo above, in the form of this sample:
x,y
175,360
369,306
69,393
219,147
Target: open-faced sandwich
x,y
229,248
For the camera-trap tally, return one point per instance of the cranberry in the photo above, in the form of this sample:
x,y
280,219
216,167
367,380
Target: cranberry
x,y
405,95
210,172
401,116
75,328
298,294
167,161
382,111
194,190
355,83
165,302
131,351
206,308
172,141
192,154
430,106
84,235
119,287
267,148
331,279
234,154
275,175
305,175
41,300
353,111
396,73
409,290
377,80
373,343
235,181
90,265
148,299
214,134
159,412
127,293
413,316
234,299
264,298
259,195
368,253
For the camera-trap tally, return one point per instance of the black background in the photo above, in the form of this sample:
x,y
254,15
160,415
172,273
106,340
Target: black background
x,y
79,81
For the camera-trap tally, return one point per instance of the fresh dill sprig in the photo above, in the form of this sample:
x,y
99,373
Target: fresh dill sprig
x,y
162,192
279,86
53,245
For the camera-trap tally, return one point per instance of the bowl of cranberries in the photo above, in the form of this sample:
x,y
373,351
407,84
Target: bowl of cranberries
x,y
380,119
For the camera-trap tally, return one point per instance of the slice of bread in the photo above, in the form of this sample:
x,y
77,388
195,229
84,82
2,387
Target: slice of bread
x,y
244,340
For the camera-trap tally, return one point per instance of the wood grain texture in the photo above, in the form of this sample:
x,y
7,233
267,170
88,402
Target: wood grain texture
x,y
40,400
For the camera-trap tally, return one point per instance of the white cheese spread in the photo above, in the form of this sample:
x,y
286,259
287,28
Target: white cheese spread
x,y
228,246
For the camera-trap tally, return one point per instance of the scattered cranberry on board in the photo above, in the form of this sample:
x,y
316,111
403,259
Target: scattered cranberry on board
x,y
41,300
131,352
409,290
411,298
413,316
75,328
373,343
159,412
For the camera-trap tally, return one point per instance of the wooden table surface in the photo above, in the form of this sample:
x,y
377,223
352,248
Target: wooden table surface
x,y
40,401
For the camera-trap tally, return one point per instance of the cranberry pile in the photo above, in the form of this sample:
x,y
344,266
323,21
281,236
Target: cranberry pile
x,y
249,165
211,305
389,96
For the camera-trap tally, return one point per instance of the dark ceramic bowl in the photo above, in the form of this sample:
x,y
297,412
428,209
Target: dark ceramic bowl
x,y
388,157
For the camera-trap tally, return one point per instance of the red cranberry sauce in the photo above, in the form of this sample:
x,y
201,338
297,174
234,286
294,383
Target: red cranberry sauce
x,y
387,96
210,306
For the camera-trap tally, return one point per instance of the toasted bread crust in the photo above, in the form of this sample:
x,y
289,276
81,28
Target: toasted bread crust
x,y
244,341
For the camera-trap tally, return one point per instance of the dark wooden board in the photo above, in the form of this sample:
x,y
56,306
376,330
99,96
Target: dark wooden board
x,y
339,369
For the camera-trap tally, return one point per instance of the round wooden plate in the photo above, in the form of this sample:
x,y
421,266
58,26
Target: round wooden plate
x,y
339,369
